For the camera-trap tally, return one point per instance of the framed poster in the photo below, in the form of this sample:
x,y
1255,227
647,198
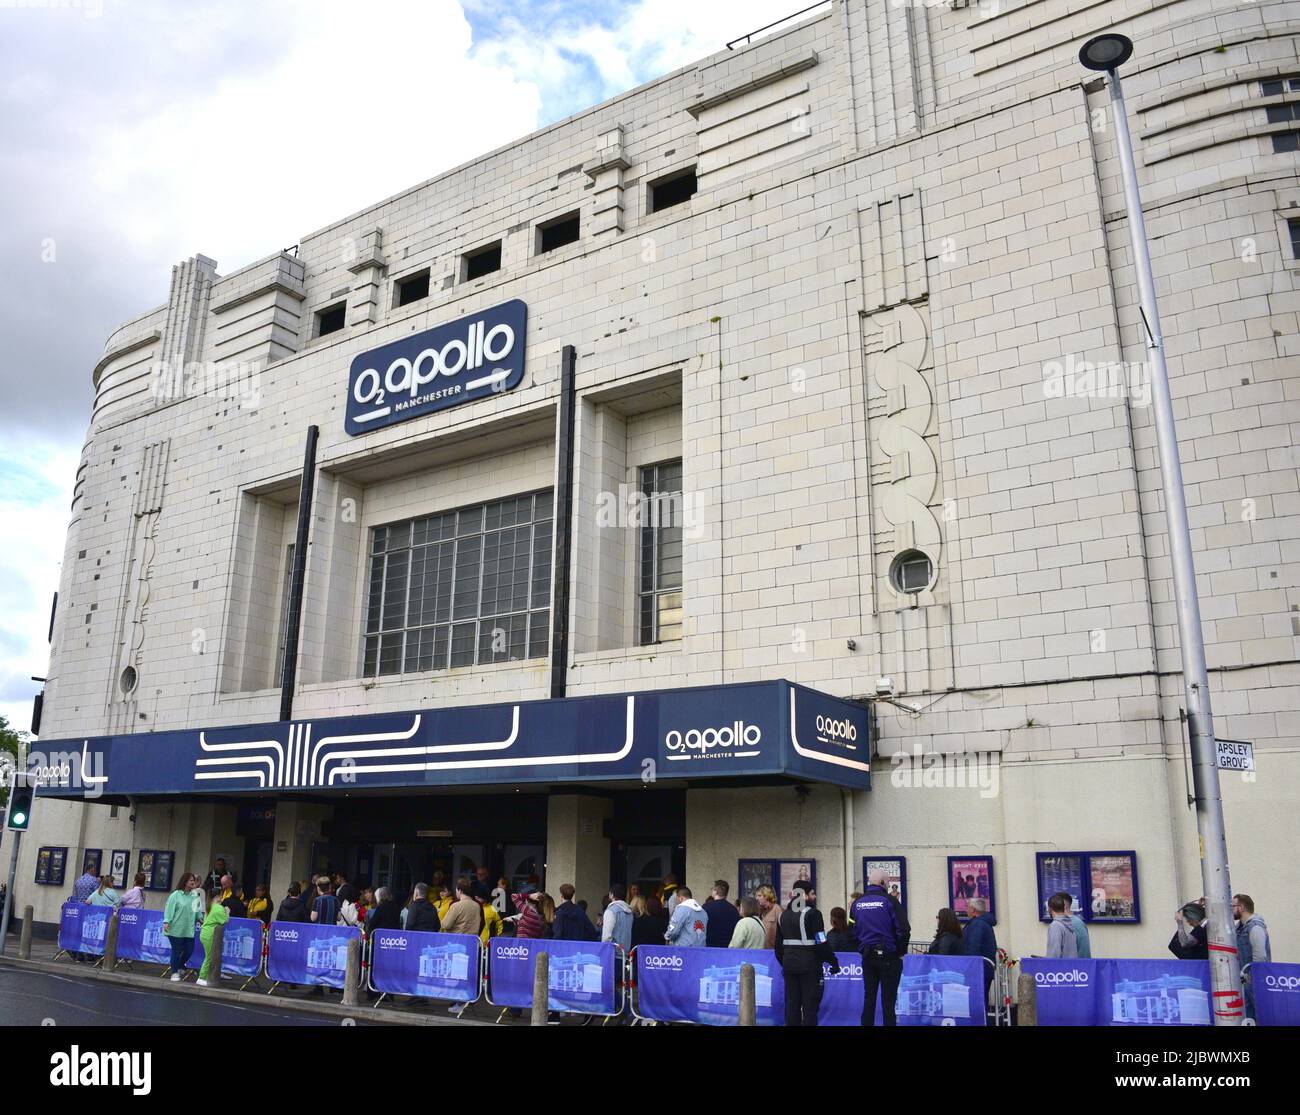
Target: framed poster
x,y
755,873
1060,871
162,870
970,877
790,871
896,867
118,866
779,874
1112,877
43,866
58,865
1104,885
91,861
157,868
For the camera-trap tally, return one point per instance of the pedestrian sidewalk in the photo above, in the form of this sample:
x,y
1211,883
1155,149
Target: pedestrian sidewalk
x,y
327,1002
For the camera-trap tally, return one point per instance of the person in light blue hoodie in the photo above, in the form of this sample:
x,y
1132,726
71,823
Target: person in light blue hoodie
x,y
689,924
1082,943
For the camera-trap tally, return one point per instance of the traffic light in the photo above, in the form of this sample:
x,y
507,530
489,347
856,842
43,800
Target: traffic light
x,y
20,804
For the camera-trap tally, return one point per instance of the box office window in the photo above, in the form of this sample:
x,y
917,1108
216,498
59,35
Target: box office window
x,y
460,588
660,561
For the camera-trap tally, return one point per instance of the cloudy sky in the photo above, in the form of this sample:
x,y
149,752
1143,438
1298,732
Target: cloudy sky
x,y
135,133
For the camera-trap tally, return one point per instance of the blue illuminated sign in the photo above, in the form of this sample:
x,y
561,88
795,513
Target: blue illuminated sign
x,y
467,359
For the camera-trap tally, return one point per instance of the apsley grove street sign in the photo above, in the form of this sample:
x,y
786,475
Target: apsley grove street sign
x,y
467,359
1234,754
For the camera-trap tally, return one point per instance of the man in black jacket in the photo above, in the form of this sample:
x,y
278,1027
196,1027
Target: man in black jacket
x,y
801,950
422,917
386,914
294,907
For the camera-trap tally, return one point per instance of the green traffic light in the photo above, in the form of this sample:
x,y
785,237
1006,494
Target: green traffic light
x,y
19,818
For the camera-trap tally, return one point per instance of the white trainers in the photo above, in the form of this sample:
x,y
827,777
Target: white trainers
x,y
176,977
202,983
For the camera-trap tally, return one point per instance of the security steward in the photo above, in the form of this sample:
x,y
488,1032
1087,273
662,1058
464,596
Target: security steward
x,y
883,934
802,950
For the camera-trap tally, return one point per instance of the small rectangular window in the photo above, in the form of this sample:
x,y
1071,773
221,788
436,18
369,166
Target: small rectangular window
x,y
555,234
1283,114
1293,227
1284,142
412,288
331,319
1270,88
672,189
482,261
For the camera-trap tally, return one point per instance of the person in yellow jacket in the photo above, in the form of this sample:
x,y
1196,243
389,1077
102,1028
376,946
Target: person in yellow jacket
x,y
493,926
217,915
444,901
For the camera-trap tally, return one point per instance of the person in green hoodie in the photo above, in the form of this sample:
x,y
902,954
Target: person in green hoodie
x,y
178,925
218,914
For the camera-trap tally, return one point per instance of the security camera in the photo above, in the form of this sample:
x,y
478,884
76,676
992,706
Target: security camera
x,y
853,644
884,687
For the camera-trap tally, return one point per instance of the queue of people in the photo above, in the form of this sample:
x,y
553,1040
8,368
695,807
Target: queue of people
x,y
874,926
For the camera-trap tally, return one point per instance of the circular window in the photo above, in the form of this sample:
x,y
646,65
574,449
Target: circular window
x,y
911,572
128,680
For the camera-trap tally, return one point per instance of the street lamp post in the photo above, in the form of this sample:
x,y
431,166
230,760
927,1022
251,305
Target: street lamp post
x,y
1107,53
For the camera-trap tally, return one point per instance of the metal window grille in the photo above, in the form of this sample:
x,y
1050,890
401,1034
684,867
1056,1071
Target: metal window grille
x,y
460,588
660,575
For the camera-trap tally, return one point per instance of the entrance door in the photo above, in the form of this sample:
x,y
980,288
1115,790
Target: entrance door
x,y
523,860
647,866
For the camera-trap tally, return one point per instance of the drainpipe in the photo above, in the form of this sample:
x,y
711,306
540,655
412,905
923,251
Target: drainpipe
x,y
846,809
293,618
564,448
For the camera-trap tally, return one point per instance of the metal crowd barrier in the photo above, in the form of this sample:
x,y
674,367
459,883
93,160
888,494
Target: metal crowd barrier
x,y
621,960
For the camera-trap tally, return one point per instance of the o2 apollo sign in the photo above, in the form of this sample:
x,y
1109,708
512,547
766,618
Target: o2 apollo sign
x,y
467,359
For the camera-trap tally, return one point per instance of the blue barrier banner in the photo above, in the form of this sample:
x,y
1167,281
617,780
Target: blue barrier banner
x,y
241,948
581,974
1277,993
140,936
309,954
1069,992
941,990
703,985
1155,993
430,965
83,928
842,993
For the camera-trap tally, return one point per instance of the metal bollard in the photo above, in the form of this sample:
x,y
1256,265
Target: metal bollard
x,y
352,974
110,943
1026,1001
218,946
541,990
748,1001
25,934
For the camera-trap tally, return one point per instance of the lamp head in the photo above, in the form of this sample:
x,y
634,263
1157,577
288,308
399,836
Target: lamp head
x,y
1106,52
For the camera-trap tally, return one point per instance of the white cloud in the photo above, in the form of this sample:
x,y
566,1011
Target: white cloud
x,y
34,499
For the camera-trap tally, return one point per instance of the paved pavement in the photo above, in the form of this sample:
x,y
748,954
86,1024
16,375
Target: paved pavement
x,y
30,997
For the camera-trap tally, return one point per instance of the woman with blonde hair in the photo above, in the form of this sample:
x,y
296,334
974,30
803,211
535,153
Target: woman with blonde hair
x,y
637,902
769,910
546,907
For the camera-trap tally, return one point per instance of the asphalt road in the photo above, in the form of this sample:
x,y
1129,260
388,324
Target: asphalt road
x,y
29,998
